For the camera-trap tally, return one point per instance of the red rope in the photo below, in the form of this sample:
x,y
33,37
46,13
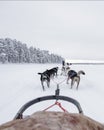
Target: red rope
x,y
49,107
59,104
56,103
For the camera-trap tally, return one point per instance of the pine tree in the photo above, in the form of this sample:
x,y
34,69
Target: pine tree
x,y
13,51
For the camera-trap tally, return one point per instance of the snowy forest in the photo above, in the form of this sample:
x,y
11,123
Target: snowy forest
x,y
13,51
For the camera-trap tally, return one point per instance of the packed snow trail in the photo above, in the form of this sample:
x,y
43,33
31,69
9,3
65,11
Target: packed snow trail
x,y
20,83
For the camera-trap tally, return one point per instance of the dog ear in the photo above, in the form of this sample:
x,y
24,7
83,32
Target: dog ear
x,y
40,73
83,73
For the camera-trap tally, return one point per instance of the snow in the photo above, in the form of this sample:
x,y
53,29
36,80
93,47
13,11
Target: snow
x,y
20,83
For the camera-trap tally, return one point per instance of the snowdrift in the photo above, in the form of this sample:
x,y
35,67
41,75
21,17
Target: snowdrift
x,y
53,121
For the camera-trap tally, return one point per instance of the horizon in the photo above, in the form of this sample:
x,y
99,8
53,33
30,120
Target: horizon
x,y
83,61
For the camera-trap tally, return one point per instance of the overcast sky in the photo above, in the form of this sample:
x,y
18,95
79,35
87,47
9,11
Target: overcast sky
x,y
72,29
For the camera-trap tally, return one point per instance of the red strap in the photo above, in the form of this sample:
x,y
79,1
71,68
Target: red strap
x,y
59,104
56,103
49,107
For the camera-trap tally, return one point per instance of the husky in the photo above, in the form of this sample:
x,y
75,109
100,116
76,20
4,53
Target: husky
x,y
75,77
47,75
65,68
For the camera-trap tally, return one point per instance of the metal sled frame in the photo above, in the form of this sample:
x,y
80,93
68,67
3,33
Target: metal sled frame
x,y
51,97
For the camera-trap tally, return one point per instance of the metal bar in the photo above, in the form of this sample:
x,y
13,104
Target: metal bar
x,y
55,97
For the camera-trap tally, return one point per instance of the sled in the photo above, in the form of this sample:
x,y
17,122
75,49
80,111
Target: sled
x,y
55,97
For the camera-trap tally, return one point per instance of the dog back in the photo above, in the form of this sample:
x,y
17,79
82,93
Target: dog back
x,y
72,73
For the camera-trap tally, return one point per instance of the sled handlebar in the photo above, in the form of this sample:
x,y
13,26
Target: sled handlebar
x,y
52,97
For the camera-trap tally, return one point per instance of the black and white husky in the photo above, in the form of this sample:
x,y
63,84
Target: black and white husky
x,y
44,77
75,77
47,75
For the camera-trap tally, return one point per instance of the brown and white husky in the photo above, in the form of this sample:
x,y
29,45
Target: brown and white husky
x,y
75,77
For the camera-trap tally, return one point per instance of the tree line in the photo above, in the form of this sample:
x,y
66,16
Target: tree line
x,y
13,51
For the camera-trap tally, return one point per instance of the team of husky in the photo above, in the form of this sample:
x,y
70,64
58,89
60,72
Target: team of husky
x,y
66,71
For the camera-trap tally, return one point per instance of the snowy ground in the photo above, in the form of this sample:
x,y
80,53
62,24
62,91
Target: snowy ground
x,y
20,83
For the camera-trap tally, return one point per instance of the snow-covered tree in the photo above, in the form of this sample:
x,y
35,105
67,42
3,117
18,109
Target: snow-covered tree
x,y
14,51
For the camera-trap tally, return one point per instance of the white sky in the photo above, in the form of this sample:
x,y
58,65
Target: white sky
x,y
72,29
